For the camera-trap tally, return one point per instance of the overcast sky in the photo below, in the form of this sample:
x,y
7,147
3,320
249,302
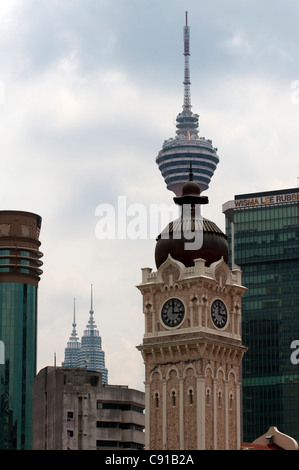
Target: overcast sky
x,y
89,91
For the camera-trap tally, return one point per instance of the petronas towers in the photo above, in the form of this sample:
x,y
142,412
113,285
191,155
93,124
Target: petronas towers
x,y
88,353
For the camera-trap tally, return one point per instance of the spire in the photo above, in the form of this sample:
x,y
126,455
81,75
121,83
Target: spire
x,y
91,299
187,122
91,323
73,345
187,83
74,336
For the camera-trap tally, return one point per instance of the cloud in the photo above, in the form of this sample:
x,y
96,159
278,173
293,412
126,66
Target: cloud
x,y
92,89
239,43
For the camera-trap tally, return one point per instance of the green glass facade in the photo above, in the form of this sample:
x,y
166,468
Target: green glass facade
x,y
20,271
263,235
18,304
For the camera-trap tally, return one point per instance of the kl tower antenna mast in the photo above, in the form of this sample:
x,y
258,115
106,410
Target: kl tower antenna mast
x,y
187,83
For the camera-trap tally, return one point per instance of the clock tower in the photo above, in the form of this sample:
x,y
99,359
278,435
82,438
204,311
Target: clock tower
x,y
192,347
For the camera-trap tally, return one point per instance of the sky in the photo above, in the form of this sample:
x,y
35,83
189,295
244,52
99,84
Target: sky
x,y
89,90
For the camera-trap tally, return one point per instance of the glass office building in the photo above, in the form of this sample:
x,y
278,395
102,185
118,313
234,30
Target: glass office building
x,y
263,235
19,276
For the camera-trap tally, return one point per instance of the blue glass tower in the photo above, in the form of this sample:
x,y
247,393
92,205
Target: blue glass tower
x,y
19,277
174,158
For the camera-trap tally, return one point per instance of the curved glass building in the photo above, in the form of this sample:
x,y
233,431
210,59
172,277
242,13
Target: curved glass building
x,y
177,153
20,271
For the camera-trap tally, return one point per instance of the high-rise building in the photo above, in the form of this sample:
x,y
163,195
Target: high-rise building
x,y
174,158
263,233
20,271
71,352
73,410
89,353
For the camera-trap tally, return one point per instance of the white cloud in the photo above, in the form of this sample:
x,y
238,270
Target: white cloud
x,y
239,43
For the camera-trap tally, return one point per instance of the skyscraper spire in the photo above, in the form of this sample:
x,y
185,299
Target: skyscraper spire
x,y
73,345
91,355
74,336
91,299
173,160
91,323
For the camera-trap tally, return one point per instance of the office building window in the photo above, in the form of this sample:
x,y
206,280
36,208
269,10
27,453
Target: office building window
x,y
4,260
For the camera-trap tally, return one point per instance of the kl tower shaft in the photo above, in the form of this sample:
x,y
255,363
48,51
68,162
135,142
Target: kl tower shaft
x,y
187,83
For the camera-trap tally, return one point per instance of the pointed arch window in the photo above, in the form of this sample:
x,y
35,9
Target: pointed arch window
x,y
219,398
208,396
157,400
190,396
231,400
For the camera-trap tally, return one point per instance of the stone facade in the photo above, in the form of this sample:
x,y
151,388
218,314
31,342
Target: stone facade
x,y
192,371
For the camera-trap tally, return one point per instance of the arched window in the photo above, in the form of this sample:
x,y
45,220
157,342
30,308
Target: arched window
x,y
173,397
190,396
219,398
231,398
208,393
157,400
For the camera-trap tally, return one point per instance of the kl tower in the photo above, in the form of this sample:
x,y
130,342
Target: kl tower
x,y
174,158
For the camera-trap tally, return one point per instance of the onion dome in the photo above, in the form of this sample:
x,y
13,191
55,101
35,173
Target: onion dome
x,y
191,236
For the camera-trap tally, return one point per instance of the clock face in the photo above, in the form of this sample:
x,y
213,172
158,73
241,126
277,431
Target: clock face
x,y
219,313
173,312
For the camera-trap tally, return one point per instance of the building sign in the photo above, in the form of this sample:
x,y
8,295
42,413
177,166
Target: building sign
x,y
270,199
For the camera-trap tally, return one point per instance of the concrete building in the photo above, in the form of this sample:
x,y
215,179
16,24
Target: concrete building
x,y
20,271
73,410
